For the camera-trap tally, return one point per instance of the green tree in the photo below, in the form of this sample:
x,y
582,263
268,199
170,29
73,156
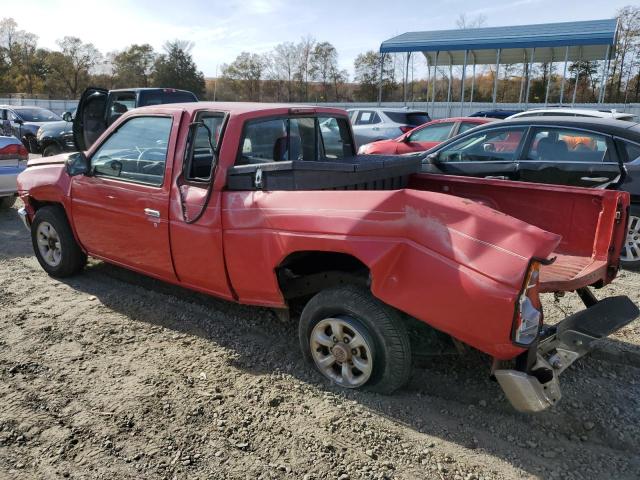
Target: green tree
x,y
176,69
324,64
367,75
244,75
133,66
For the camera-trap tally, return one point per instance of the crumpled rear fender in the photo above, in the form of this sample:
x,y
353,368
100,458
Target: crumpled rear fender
x,y
447,261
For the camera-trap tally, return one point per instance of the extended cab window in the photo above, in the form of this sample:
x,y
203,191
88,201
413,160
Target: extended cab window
x,y
485,146
556,144
135,152
202,156
296,138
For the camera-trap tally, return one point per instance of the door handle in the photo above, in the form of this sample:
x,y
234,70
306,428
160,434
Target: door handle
x,y
497,177
152,213
594,179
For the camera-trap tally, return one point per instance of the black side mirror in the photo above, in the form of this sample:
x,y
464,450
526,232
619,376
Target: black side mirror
x,y
77,164
19,121
67,117
433,158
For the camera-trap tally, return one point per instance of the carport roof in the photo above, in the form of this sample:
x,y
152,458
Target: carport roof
x,y
586,39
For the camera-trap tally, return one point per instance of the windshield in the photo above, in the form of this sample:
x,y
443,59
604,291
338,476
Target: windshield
x,y
37,115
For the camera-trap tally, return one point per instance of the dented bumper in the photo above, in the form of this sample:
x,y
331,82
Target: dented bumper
x,y
538,388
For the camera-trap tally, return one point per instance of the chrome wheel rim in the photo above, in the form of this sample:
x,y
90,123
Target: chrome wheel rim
x,y
341,352
631,250
49,244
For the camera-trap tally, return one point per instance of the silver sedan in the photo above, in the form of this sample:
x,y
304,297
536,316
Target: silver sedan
x,y
13,160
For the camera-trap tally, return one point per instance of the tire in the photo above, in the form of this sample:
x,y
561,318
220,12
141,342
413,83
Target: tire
x,y
630,255
31,144
51,150
7,202
361,320
54,245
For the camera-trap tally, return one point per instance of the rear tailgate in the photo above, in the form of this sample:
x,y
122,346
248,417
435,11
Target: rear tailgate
x,y
592,223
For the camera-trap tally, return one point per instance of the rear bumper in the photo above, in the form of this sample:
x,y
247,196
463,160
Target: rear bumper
x,y
24,216
538,388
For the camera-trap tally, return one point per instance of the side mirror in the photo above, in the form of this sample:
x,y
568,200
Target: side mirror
x,y
433,158
67,117
19,121
77,164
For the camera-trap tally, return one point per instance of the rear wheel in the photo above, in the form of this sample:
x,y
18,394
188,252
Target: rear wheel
x,y
355,340
54,244
630,255
7,202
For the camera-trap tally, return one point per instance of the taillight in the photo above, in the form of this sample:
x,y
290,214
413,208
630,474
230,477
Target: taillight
x,y
528,315
406,128
15,149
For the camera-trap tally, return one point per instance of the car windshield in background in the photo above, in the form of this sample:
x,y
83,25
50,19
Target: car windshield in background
x,y
160,98
37,115
409,118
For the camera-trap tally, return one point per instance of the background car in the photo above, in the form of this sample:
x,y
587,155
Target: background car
x,y
373,124
497,113
575,112
13,160
425,136
98,108
57,137
578,151
23,123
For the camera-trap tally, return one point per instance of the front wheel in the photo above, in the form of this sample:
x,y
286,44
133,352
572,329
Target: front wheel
x,y
54,244
355,340
630,255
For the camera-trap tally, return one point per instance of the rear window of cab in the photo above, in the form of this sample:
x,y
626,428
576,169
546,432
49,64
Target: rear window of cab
x,y
299,138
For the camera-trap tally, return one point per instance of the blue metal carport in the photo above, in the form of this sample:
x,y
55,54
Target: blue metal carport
x,y
567,41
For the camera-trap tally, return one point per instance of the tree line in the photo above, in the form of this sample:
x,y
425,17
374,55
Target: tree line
x,y
64,73
305,71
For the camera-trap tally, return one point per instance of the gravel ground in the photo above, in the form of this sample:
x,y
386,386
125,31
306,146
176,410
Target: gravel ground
x,y
111,375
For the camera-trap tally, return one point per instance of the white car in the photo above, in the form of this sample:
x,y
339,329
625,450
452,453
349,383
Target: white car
x,y
13,160
575,112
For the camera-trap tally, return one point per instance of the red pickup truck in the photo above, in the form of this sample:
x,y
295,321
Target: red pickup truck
x,y
258,204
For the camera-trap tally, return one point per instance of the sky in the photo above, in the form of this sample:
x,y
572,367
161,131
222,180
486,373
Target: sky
x,y
223,29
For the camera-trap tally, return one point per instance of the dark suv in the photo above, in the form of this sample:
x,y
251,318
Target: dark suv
x,y
583,152
98,109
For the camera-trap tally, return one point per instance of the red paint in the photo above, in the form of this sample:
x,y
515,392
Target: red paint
x,y
400,145
450,251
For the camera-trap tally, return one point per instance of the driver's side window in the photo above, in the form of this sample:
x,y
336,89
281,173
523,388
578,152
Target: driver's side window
x,y
135,152
497,145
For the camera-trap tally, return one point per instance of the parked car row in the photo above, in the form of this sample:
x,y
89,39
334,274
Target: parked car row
x,y
562,146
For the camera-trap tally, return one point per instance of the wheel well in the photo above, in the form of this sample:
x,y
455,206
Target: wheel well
x,y
302,274
38,204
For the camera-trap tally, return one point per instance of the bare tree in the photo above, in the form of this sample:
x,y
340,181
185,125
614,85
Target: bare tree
x,y
73,63
463,22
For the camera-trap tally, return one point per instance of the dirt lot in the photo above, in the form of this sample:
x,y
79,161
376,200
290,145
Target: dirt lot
x,y
112,375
